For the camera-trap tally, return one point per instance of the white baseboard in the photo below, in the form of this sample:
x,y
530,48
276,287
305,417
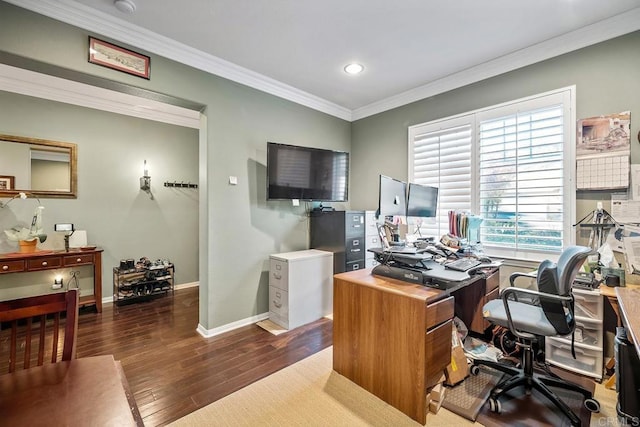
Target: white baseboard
x,y
209,333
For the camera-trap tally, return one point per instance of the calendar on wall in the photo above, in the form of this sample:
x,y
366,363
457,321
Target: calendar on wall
x,y
599,173
603,148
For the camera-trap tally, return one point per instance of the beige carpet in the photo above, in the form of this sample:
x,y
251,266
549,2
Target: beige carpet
x,y
309,394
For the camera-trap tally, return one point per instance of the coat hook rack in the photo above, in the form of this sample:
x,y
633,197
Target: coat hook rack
x,y
181,184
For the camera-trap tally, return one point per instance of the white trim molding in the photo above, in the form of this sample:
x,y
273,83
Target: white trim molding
x,y
31,83
82,16
209,333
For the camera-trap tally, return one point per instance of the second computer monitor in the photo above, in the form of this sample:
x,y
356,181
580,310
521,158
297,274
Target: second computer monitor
x,y
392,199
422,201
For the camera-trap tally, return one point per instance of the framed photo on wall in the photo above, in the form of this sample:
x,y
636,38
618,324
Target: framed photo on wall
x,y
118,58
7,182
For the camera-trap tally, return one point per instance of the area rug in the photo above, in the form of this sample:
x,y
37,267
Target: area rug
x,y
521,410
308,393
467,398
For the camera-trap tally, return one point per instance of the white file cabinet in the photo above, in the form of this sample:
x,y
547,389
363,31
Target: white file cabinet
x,y
588,337
300,287
372,238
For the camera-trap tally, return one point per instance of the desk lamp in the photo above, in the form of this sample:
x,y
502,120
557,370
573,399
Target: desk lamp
x,y
65,228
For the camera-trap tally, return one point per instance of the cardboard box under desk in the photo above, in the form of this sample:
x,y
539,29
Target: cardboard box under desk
x,y
458,369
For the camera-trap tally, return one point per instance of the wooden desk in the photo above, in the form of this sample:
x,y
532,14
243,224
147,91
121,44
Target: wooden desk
x,y
90,390
629,303
17,262
393,338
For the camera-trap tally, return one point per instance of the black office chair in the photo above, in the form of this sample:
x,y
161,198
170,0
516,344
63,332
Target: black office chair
x,y
529,314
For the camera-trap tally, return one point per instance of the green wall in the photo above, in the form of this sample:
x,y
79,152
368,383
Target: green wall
x,y
238,228
607,81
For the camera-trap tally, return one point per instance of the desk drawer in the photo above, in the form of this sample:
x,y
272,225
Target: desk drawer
x,y
79,259
438,351
44,263
492,282
11,266
439,311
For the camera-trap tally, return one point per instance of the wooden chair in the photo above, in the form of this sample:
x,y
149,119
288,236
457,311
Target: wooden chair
x,y
27,321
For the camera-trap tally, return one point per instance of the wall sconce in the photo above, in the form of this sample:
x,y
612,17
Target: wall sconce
x,y
57,282
145,179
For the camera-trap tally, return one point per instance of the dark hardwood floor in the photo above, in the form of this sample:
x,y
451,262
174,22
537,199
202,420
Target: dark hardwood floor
x,y
172,370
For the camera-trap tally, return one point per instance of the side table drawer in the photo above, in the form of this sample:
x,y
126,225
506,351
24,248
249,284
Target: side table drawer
x,y
44,263
11,266
79,259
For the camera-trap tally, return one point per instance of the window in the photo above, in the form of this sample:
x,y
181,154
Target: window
x,y
512,164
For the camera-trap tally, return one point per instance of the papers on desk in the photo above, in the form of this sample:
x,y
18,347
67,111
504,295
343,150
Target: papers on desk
x,y
632,254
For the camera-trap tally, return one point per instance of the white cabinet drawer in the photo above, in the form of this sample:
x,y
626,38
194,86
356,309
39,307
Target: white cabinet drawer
x,y
279,303
588,332
371,226
279,274
371,262
373,241
588,361
588,305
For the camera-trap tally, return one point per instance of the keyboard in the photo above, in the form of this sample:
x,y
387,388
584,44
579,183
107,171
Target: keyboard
x,y
463,264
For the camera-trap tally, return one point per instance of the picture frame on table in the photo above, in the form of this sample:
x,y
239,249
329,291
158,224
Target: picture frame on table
x,y
118,58
7,182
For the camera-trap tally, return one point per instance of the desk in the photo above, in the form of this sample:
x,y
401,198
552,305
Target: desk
x,y
629,302
17,262
393,338
90,390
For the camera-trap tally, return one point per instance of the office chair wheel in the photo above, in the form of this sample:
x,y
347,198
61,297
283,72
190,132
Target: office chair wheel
x,y
495,405
592,405
474,370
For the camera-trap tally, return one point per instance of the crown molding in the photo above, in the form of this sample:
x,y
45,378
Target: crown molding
x,y
31,83
81,16
586,36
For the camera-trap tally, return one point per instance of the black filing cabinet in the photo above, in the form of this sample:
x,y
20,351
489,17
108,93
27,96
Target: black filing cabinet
x,y
343,233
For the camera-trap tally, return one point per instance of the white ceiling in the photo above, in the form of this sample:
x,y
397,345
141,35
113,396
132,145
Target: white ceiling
x,y
297,48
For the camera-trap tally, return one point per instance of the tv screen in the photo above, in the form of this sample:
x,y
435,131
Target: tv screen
x,y
422,201
392,198
305,173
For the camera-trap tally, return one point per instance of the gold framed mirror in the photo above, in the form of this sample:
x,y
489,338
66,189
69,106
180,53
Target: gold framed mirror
x,y
41,167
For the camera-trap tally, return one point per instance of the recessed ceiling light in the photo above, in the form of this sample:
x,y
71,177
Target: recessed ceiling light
x,y
353,68
125,6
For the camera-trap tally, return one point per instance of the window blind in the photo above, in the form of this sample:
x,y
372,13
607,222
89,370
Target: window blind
x,y
520,169
513,164
441,157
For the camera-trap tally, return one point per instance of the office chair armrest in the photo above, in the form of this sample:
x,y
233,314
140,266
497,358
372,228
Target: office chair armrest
x,y
514,291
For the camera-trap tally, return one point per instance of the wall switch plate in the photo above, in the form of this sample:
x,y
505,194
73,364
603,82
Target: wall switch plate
x,y
296,202
233,180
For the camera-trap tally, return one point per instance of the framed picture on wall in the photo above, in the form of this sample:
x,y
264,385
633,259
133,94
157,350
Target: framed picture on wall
x,y
7,182
118,58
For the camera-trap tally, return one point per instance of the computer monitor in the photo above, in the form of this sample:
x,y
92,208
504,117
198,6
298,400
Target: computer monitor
x,y
422,201
392,198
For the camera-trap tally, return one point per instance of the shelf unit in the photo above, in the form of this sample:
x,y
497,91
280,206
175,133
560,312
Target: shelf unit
x,y
588,337
139,283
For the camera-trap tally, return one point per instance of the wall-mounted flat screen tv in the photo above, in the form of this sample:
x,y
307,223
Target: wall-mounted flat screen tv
x,y
305,173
